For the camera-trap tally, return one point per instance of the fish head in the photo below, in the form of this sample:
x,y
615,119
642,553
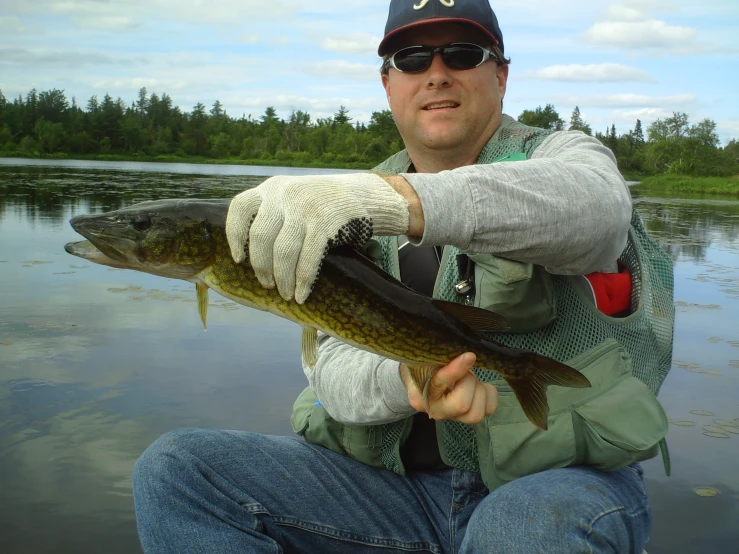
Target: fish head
x,y
169,238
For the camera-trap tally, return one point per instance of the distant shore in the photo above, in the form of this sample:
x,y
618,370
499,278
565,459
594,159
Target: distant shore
x,y
718,186
669,183
317,164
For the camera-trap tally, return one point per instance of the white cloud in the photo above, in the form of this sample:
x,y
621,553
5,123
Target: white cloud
x,y
107,23
231,12
12,25
641,101
728,129
356,43
636,35
135,83
344,69
604,72
627,26
251,38
282,41
20,56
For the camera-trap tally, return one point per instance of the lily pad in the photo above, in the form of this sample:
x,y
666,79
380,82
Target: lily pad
x,y
715,339
713,429
733,343
706,491
716,434
725,422
700,412
734,363
713,372
730,429
683,423
695,369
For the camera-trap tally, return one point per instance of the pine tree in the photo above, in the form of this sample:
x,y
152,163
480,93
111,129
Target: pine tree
x,y
638,133
342,116
577,123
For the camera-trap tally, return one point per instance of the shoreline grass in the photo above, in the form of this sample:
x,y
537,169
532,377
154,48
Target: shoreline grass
x,y
271,162
715,186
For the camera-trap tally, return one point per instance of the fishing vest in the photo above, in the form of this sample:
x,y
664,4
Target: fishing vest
x,y
615,422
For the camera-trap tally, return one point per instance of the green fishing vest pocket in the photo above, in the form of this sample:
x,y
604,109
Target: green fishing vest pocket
x,y
614,423
523,293
311,421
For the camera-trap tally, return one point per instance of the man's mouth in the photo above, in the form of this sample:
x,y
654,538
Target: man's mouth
x,y
440,105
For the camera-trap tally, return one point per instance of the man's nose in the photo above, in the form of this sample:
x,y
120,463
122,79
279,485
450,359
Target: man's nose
x,y
438,73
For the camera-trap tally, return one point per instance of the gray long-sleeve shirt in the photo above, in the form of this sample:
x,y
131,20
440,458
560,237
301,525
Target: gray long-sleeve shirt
x,y
567,208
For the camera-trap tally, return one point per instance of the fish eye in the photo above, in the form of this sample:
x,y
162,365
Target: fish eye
x,y
142,222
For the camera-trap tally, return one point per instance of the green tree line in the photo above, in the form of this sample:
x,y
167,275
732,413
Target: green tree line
x,y
671,146
151,127
47,123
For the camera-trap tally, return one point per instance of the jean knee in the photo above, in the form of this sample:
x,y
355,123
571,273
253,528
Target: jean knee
x,y
556,510
166,456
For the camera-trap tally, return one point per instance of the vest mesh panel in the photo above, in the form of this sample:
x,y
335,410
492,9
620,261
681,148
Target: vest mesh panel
x,y
646,334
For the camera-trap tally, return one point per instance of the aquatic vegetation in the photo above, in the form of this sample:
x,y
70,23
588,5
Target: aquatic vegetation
x,y
706,491
716,434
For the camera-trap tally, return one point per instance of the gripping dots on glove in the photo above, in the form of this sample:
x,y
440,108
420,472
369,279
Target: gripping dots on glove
x,y
356,232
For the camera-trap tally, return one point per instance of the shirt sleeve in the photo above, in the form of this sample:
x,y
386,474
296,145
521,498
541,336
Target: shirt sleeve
x,y
357,387
567,207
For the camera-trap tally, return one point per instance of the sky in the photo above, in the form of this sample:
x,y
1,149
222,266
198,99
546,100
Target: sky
x,y
618,61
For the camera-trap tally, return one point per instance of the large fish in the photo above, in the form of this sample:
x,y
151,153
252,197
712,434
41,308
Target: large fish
x,y
352,299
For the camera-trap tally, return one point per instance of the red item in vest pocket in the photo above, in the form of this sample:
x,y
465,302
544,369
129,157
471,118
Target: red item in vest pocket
x,y
610,292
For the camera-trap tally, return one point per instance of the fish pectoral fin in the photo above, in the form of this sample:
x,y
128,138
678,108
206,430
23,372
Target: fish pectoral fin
x,y
202,293
309,346
530,388
477,318
421,376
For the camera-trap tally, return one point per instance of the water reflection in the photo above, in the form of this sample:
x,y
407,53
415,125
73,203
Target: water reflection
x,y
96,363
702,236
686,228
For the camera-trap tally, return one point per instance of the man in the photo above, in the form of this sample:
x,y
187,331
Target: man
x,y
519,208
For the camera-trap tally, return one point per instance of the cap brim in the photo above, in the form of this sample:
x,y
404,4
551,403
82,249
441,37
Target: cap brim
x,y
384,49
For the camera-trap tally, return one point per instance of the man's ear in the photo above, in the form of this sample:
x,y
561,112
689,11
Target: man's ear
x,y
501,79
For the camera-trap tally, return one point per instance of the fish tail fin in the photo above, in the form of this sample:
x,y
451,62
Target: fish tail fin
x,y
531,384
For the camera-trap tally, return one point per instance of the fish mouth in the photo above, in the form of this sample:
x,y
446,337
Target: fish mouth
x,y
88,251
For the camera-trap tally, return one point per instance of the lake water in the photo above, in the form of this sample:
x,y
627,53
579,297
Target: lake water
x,y
96,363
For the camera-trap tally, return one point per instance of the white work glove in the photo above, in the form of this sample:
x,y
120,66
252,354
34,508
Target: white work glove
x,y
289,223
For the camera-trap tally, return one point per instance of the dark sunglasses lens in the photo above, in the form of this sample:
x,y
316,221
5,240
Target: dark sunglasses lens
x,y
413,59
463,56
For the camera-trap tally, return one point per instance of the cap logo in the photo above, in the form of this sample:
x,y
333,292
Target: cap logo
x,y
422,3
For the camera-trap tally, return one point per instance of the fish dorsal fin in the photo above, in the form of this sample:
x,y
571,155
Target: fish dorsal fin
x,y
309,346
477,318
201,290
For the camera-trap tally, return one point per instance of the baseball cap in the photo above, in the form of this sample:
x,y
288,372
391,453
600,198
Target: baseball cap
x,y
405,14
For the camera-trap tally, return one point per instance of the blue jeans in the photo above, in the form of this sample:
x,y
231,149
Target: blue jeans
x,y
211,492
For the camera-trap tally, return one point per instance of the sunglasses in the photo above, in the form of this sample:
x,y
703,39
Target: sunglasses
x,y
458,55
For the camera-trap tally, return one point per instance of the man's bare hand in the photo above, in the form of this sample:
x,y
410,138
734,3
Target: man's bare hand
x,y
454,392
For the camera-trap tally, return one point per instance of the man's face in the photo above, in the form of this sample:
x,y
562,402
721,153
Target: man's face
x,y
443,109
